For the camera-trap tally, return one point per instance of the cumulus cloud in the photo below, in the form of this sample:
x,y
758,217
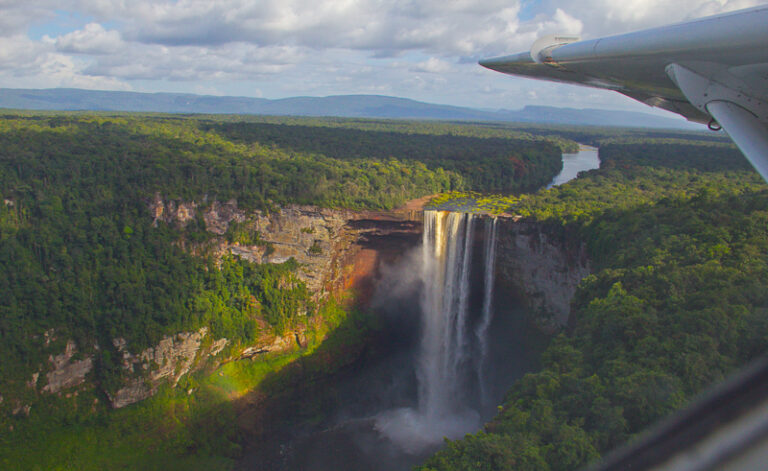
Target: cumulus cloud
x,y
63,71
237,61
432,65
424,49
93,39
19,53
16,16
448,26
28,63
602,17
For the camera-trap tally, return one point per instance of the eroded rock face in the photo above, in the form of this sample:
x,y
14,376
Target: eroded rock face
x,y
63,371
337,250
277,344
543,270
326,244
173,357
312,236
321,240
66,372
172,211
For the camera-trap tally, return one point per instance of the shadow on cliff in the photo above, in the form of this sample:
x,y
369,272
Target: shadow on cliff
x,y
362,365
307,394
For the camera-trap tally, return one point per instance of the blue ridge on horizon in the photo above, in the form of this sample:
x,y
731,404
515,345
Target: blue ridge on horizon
x,y
349,106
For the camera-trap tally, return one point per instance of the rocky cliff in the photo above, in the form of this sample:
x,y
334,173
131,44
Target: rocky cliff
x,y
337,250
542,269
172,358
314,237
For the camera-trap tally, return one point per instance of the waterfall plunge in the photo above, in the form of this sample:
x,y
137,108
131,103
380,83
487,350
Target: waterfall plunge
x,y
485,321
451,360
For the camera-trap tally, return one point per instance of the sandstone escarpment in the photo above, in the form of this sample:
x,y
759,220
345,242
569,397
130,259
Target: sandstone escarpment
x,y
169,360
544,270
336,250
325,242
67,372
312,236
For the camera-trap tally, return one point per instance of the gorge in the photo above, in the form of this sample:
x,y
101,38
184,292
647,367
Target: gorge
x,y
449,347
454,344
182,293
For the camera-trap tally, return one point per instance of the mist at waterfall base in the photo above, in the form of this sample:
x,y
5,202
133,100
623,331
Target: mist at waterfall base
x,y
454,346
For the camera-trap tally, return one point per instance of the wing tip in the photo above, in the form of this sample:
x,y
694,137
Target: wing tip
x,y
494,63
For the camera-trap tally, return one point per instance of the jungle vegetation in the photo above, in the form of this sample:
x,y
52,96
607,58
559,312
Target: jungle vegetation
x,y
81,259
676,226
677,233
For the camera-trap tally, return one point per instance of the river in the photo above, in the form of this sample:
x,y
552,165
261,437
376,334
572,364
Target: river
x,y
585,159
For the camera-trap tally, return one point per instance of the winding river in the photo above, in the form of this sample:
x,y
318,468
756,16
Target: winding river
x,y
585,159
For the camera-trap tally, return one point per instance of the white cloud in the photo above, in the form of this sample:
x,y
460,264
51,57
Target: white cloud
x,y
18,53
92,39
602,17
25,63
432,65
449,26
63,71
16,16
422,49
237,61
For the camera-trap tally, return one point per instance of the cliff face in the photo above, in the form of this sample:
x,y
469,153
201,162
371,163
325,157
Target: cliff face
x,y
541,269
172,358
314,237
66,371
337,250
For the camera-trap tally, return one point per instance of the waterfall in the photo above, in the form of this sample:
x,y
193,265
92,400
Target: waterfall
x,y
453,344
446,263
489,252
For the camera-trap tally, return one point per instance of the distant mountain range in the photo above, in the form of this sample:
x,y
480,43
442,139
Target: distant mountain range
x,y
351,106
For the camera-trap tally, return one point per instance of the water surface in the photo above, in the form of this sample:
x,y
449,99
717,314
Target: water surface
x,y
585,159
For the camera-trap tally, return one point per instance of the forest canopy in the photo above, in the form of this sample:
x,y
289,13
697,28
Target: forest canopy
x,y
79,253
677,233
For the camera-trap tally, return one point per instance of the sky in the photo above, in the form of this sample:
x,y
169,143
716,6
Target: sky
x,y
426,50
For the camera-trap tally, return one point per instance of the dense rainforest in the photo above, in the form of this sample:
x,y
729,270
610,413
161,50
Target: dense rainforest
x,y
677,232
81,259
675,225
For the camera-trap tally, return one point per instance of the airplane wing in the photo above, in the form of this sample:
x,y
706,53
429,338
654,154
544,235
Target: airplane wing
x,y
711,70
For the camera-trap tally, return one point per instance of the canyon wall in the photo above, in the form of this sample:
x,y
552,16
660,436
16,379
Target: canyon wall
x,y
543,270
338,251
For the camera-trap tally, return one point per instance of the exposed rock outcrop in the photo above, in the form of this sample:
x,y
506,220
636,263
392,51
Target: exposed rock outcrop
x,y
544,270
173,357
312,236
336,250
277,344
67,372
322,240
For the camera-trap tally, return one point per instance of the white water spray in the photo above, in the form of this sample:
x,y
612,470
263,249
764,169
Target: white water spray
x,y
481,332
446,369
447,246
